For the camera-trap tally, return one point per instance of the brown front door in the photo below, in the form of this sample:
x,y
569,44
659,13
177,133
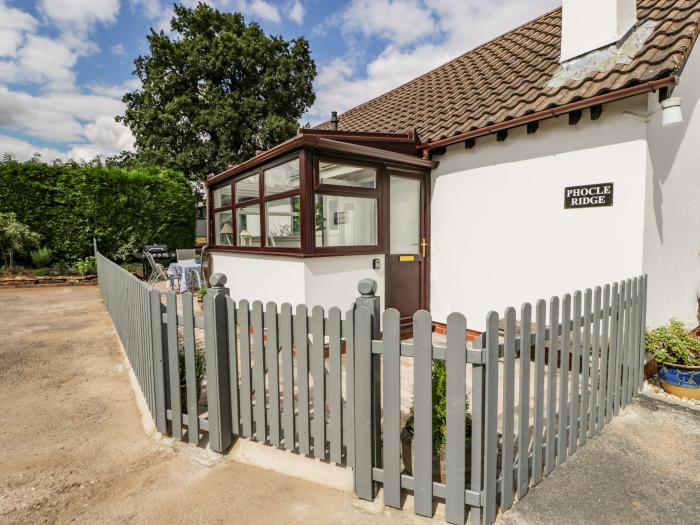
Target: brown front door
x,y
406,260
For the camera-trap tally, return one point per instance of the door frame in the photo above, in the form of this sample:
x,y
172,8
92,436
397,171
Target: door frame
x,y
426,194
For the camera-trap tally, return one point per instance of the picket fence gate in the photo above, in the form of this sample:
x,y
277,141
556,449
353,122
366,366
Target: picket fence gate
x,y
328,384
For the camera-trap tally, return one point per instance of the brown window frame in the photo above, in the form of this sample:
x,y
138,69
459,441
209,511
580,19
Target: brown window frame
x,y
346,191
260,202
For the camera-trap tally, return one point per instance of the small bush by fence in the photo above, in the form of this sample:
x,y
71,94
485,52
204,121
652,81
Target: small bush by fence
x,y
330,386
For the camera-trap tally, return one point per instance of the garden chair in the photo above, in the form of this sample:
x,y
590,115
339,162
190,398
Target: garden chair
x,y
158,273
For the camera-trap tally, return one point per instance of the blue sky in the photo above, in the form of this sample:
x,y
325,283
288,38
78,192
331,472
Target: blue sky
x,y
64,64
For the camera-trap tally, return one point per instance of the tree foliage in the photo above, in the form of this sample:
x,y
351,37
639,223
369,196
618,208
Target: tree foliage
x,y
15,238
215,91
69,204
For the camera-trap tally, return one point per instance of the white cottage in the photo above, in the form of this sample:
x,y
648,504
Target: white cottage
x,y
561,155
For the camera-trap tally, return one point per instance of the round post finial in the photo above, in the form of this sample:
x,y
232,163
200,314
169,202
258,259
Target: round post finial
x,y
218,280
367,287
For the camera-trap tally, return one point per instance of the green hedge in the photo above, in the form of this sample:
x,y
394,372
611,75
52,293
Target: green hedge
x,y
69,204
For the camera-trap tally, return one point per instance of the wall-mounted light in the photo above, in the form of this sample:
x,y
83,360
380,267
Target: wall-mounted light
x,y
671,112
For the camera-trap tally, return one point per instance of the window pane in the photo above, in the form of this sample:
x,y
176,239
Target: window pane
x,y
248,189
223,227
342,175
281,178
345,221
282,223
404,215
222,196
248,225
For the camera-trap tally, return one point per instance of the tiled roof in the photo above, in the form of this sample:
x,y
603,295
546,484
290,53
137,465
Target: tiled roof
x,y
519,73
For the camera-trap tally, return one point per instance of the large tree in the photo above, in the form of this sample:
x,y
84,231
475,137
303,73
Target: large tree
x,y
215,90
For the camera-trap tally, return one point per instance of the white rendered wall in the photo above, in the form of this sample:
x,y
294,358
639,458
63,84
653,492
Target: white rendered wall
x,y
261,277
499,231
332,281
672,226
325,281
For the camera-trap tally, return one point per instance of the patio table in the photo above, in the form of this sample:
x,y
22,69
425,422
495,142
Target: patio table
x,y
185,272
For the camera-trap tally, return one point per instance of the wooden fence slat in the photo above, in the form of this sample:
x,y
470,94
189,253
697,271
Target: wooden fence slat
x,y
508,409
564,355
595,359
318,373
259,409
335,427
174,365
362,342
612,353
273,377
626,344
541,309
160,364
575,374
634,332
477,448
190,375
246,398
585,365
285,334
348,327
552,357
233,364
642,331
456,416
391,370
423,412
617,386
524,416
491,418
301,341
604,355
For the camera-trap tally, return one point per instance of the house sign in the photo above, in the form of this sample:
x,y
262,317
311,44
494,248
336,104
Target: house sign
x,y
588,196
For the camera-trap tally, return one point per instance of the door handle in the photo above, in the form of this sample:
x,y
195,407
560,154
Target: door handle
x,y
423,245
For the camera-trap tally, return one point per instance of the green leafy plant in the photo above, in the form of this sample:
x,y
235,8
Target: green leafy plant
x,y
201,293
673,344
41,257
41,272
200,362
439,380
87,266
15,238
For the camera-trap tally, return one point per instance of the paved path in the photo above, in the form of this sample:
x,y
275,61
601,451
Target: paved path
x,y
72,447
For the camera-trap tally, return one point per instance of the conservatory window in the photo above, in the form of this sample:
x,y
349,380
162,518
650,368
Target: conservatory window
x,y
345,221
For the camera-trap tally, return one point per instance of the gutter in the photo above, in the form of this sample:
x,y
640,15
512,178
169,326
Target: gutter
x,y
552,112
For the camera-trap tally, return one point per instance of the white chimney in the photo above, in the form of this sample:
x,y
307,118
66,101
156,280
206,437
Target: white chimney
x,y
591,24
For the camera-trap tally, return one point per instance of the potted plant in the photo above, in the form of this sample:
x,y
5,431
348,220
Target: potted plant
x,y
200,294
200,371
439,376
677,354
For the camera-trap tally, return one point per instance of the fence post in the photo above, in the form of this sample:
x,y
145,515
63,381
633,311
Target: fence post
x,y
369,300
160,364
218,383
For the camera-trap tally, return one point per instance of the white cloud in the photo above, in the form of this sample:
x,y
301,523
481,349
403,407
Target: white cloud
x,y
264,10
80,13
296,12
14,24
457,26
114,91
118,49
23,150
151,8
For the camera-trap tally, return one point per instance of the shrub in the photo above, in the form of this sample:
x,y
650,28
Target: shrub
x,y
15,237
41,272
439,379
87,266
201,293
673,344
69,204
200,362
41,257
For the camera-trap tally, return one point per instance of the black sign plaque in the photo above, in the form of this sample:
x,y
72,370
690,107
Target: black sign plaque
x,y
588,196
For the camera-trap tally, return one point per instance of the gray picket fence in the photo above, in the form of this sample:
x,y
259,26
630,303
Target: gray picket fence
x,y
328,385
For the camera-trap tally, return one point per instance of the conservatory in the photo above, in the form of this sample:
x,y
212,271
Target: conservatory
x,y
306,220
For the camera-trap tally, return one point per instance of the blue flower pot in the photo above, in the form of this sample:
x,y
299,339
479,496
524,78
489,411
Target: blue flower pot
x,y
679,380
